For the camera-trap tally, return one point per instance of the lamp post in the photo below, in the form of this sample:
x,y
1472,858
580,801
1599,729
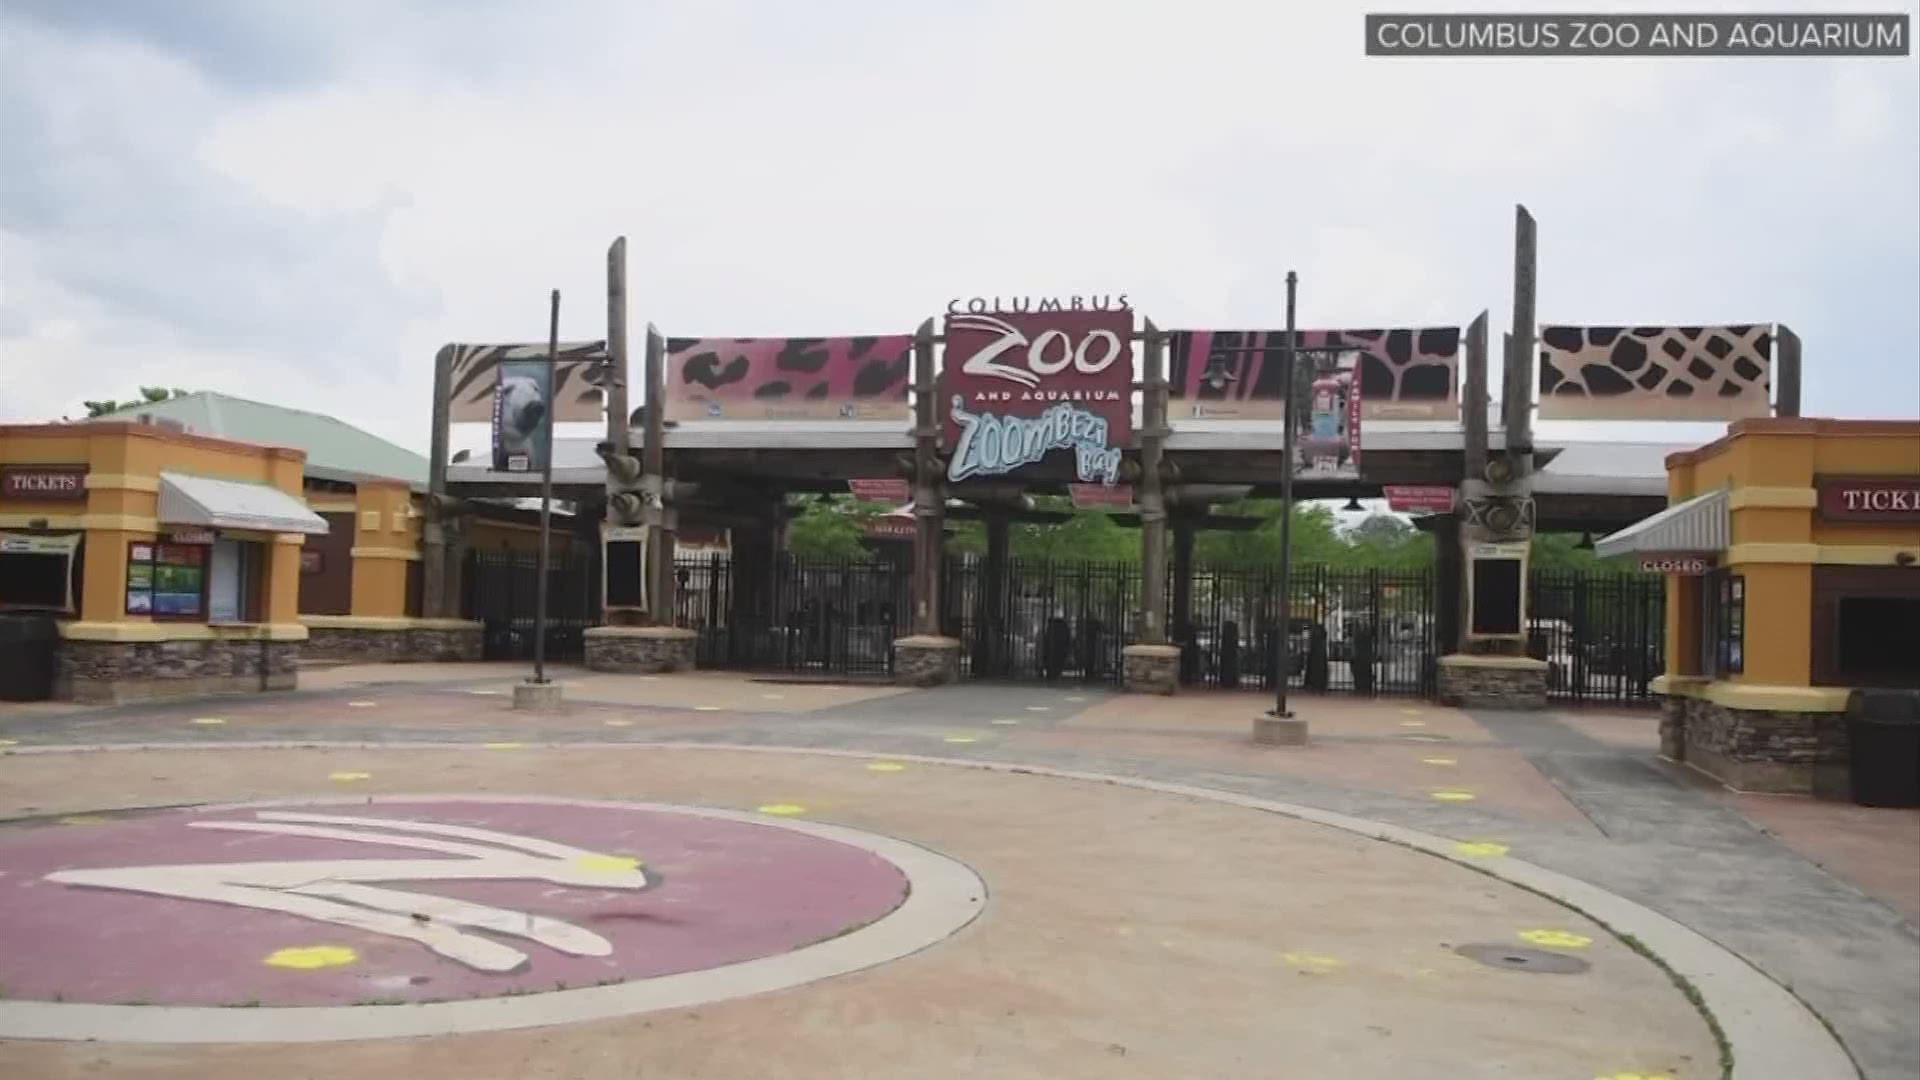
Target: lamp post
x,y
1284,648
546,501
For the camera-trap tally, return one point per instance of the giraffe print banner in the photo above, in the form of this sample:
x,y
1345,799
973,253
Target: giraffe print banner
x,y
843,378
1405,374
1655,372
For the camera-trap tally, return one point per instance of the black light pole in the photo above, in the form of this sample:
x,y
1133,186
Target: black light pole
x,y
1285,630
546,501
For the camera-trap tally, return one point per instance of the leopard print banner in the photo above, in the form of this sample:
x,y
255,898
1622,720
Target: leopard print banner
x,y
1655,372
844,378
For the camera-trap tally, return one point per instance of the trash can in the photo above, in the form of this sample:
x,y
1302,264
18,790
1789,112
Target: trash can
x,y
26,657
1883,745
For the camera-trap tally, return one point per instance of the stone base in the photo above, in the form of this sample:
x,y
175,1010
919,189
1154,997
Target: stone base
x,y
1150,669
119,672
1493,682
1279,731
1763,750
640,650
926,660
391,641
536,696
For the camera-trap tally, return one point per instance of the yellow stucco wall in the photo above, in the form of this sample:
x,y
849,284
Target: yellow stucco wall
x,y
1778,537
386,540
124,464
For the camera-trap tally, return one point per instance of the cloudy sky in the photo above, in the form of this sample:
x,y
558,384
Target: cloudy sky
x,y
298,202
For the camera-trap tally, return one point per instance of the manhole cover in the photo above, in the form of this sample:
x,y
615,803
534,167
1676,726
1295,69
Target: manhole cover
x,y
1521,959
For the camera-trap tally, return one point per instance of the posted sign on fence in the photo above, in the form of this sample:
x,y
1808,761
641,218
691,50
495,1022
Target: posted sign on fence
x,y
1020,386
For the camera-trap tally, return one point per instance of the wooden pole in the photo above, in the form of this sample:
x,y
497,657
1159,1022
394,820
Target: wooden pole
x,y
615,386
1518,412
1473,405
433,537
929,500
1786,372
1153,503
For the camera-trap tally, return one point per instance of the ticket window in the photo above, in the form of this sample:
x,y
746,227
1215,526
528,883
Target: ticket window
x,y
40,573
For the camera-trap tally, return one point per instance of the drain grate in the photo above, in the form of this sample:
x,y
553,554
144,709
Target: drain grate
x,y
1521,959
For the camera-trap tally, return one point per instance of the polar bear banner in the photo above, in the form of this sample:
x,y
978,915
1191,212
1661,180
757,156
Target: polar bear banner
x,y
522,416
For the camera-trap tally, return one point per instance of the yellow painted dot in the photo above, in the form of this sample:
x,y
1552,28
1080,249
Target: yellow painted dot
x,y
9,742
310,957
607,864
619,723
773,697
484,693
885,766
206,721
502,745
1410,712
1039,708
961,739
1004,723
1555,939
1413,723
349,777
706,708
1307,963
82,819
359,704
1438,761
1454,796
1635,1076
783,809
1076,697
1480,849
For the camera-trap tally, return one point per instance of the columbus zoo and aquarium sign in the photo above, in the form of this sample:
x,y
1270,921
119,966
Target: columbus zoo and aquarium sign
x,y
1026,382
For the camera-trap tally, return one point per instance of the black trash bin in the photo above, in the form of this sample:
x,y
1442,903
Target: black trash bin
x,y
1883,743
26,657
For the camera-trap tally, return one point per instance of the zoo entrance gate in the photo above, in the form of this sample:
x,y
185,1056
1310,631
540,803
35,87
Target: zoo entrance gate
x,y
1356,631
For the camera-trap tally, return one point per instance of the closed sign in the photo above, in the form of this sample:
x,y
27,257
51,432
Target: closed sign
x,y
1675,564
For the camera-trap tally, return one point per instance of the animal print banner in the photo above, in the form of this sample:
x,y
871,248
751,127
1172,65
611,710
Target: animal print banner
x,y
843,378
576,379
1236,374
1655,372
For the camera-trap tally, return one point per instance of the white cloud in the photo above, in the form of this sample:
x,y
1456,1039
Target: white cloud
x,y
847,166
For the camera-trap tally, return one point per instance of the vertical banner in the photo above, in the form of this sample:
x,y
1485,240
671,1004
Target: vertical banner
x,y
521,415
1327,437
841,378
1020,386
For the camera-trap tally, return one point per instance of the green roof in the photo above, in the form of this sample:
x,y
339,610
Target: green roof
x,y
335,450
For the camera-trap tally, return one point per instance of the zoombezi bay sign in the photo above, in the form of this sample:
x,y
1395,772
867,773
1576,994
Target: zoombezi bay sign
x,y
1025,384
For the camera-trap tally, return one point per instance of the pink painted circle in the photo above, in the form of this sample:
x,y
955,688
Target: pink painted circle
x,y
403,900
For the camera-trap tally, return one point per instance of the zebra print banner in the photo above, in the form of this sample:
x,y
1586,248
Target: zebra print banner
x,y
577,374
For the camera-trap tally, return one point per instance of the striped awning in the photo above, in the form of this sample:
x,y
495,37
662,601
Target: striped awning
x,y
1698,526
233,504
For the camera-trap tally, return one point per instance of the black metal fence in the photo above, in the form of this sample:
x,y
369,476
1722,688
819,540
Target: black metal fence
x,y
1603,636
807,616
1351,631
498,590
1040,619
1355,631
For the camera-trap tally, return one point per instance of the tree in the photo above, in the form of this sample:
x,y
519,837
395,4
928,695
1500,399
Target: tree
x,y
830,527
148,395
